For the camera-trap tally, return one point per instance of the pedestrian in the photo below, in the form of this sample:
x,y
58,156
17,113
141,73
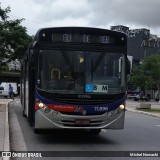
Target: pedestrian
x,y
141,95
10,92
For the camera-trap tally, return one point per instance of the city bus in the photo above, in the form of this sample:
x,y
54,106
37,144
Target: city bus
x,y
75,78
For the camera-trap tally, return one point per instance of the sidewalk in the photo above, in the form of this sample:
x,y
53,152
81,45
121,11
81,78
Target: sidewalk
x,y
4,126
133,108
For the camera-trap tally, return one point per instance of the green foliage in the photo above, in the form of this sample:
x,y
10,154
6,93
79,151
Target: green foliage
x,y
138,78
147,75
13,38
152,66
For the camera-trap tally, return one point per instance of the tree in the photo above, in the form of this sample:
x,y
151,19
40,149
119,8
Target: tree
x,y
151,68
137,77
147,75
13,38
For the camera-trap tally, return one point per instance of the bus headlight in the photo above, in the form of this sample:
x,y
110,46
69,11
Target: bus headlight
x,y
121,107
40,105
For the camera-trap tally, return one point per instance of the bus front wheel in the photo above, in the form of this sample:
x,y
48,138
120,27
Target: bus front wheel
x,y
37,131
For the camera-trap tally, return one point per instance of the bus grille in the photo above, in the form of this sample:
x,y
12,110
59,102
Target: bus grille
x,y
80,114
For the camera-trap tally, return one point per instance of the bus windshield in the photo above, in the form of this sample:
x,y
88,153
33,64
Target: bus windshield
x,y
80,72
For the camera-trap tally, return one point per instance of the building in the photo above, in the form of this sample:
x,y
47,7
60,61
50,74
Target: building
x,y
13,75
141,42
14,65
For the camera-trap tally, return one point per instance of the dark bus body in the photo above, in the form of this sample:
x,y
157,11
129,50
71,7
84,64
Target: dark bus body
x,y
75,78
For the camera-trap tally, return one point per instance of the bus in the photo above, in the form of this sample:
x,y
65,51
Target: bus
x,y
75,78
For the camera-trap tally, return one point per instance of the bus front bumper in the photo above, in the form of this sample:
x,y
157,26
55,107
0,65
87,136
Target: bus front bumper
x,y
51,120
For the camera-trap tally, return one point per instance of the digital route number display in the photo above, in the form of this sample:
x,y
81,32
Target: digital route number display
x,y
49,37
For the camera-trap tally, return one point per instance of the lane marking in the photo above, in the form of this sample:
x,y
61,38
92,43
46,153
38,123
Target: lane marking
x,y
158,125
104,130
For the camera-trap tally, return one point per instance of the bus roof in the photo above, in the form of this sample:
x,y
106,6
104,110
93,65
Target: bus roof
x,y
90,30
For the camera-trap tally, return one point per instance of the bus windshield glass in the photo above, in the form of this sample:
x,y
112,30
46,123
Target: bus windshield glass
x,y
80,72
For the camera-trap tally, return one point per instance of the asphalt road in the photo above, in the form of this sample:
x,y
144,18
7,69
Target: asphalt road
x,y
141,133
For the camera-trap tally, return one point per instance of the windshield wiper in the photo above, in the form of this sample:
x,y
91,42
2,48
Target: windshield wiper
x,y
98,61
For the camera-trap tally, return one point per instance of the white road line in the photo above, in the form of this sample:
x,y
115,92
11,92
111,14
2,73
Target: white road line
x,y
104,130
158,125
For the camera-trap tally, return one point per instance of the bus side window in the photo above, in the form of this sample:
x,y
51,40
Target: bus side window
x,y
55,74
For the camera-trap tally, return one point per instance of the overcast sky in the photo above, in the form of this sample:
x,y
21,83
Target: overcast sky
x,y
91,13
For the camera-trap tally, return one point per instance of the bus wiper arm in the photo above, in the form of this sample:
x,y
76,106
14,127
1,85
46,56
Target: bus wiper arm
x,y
98,61
67,60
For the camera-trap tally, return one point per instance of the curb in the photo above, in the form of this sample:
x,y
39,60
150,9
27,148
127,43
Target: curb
x,y
6,146
142,112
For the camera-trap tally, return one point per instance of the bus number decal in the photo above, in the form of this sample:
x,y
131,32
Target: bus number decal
x,y
67,37
101,109
86,39
104,39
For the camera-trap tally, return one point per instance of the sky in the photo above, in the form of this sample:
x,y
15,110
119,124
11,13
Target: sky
x,y
134,14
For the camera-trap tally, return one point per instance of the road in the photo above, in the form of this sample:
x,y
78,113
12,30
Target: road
x,y
141,133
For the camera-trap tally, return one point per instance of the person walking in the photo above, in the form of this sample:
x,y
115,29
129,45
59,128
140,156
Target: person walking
x,y
142,95
10,92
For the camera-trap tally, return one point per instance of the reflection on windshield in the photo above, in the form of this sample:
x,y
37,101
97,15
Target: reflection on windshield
x,y
78,72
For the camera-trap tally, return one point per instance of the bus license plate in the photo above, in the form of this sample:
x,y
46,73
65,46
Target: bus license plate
x,y
82,122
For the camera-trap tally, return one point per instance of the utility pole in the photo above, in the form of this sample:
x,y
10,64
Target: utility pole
x,y
145,50
14,66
